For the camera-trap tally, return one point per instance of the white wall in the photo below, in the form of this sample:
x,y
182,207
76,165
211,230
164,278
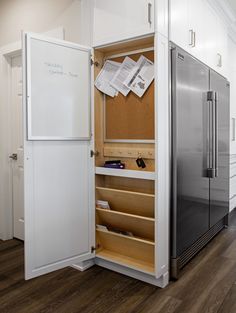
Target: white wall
x,y
38,16
35,16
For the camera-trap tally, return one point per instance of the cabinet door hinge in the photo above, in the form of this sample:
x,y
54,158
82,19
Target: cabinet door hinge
x,y
93,249
94,153
94,63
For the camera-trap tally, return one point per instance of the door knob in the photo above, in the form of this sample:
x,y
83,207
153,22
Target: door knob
x,y
13,156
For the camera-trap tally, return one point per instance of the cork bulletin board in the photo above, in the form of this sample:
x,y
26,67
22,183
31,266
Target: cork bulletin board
x,y
131,117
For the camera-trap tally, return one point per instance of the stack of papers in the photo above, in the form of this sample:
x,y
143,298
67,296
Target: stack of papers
x,y
105,76
125,77
102,205
141,77
121,76
101,227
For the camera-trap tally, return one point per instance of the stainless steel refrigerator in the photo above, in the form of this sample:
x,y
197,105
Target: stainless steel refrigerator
x,y
200,156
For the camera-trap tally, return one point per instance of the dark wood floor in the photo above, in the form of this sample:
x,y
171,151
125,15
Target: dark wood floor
x,y
207,284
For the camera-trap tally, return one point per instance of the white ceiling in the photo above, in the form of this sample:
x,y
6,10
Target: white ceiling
x,y
227,10
231,6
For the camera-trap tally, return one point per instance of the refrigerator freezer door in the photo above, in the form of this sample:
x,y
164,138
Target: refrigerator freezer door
x,y
219,185
190,155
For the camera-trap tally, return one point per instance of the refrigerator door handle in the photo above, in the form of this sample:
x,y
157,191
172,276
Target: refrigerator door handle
x,y
216,134
212,132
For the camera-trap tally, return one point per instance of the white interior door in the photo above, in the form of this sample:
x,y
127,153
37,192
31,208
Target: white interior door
x,y
58,180
17,148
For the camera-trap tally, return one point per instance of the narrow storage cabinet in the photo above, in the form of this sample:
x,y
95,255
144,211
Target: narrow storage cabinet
x,y
117,218
131,213
126,232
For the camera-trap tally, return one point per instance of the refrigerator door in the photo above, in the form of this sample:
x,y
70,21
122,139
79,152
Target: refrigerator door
x,y
219,185
190,155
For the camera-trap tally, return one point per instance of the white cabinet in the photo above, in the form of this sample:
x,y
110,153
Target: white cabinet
x,y
222,50
232,182
64,178
215,41
185,29
179,26
209,41
118,20
195,27
231,55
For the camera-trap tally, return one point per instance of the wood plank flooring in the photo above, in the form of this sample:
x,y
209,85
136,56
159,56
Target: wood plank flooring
x,y
207,285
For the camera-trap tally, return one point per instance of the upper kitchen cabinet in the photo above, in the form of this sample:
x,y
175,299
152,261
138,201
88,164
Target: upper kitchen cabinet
x,y
222,48
120,20
179,24
215,38
196,27
185,29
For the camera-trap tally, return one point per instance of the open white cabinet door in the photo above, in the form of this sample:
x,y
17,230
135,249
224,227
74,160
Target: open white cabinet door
x,y
58,178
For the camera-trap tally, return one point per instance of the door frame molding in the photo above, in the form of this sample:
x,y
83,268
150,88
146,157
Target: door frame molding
x,y
6,204
7,52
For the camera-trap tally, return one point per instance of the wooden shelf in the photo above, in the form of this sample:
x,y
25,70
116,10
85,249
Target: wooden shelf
x,y
127,192
126,261
138,225
128,238
125,173
139,250
129,202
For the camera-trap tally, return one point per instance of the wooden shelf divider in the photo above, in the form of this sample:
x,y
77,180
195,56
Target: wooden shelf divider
x,y
125,173
138,225
129,202
117,258
139,250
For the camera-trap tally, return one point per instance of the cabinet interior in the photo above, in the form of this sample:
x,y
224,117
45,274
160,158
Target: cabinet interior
x,y
124,126
125,130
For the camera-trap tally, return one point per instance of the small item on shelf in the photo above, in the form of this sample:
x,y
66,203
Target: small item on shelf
x,y
114,164
102,227
140,162
121,232
103,205
113,161
127,233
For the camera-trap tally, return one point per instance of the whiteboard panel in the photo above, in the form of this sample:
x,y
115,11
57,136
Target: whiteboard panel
x,y
58,89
